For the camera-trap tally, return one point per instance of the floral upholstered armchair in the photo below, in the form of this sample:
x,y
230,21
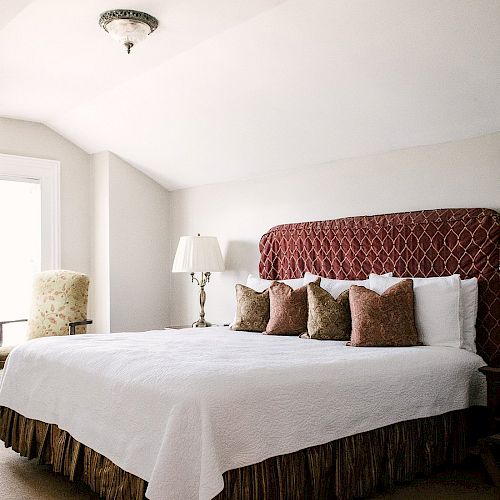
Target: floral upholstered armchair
x,y
58,307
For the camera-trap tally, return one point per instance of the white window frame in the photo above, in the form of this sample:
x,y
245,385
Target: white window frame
x,y
48,174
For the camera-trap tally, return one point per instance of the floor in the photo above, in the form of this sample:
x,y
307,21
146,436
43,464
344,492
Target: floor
x,y
22,479
468,482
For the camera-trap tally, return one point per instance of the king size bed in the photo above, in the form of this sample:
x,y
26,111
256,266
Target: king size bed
x,y
214,413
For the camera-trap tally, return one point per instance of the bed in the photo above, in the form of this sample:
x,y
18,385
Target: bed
x,y
215,413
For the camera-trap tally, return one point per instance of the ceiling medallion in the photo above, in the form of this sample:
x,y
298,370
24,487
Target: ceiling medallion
x,y
128,26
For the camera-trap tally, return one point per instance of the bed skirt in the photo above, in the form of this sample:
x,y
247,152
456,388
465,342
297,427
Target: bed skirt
x,y
350,467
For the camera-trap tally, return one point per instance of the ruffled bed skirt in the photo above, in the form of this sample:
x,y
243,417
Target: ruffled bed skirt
x,y
354,466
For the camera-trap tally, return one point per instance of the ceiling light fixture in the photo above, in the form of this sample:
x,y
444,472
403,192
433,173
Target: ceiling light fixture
x,y
128,26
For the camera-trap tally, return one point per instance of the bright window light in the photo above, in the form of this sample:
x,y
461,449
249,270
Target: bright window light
x,y
20,252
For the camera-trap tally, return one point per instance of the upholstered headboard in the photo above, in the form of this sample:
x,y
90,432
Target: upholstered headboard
x,y
462,241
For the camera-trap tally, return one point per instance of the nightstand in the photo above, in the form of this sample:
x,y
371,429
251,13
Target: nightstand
x,y
493,398
180,327
489,447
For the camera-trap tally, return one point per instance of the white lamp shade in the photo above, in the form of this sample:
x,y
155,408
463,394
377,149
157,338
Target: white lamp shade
x,y
198,254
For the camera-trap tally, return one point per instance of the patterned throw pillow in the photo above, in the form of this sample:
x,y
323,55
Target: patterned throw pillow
x,y
386,320
252,309
288,309
329,318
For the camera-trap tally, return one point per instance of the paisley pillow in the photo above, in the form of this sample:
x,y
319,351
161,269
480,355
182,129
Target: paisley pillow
x,y
252,309
288,309
329,318
386,320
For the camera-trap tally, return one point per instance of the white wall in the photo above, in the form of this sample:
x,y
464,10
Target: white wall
x,y
130,248
99,292
114,227
24,138
138,249
123,228
456,174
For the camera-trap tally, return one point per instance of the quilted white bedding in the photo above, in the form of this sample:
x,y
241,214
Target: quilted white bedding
x,y
180,407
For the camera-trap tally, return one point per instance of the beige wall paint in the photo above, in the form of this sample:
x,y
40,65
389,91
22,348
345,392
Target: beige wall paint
x,y
138,249
134,250
455,174
114,227
25,138
99,293
130,248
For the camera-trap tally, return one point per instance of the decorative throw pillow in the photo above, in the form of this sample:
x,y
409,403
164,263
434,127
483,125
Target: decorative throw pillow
x,y
252,309
386,320
288,310
329,318
437,307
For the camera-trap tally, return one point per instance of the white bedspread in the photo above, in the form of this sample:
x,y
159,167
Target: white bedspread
x,y
179,407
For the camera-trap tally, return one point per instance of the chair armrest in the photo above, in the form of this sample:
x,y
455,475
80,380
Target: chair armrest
x,y
5,323
74,324
12,321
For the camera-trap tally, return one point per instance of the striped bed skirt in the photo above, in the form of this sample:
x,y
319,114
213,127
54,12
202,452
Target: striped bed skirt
x,y
350,467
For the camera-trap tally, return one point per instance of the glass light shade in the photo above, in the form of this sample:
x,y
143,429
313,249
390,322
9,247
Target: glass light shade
x,y
128,30
198,254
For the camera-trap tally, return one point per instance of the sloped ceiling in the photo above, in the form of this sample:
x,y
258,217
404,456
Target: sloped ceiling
x,y
231,89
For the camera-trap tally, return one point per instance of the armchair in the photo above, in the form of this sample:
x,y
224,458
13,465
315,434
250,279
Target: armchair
x,y
59,307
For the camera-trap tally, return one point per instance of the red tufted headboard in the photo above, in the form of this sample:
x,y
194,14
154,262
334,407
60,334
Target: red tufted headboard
x,y
426,243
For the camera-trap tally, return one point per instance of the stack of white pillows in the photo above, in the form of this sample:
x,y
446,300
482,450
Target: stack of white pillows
x,y
445,307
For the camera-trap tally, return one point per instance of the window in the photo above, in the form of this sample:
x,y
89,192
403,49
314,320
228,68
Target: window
x,y
29,233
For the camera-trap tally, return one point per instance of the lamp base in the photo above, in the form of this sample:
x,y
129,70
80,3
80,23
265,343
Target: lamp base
x,y
201,323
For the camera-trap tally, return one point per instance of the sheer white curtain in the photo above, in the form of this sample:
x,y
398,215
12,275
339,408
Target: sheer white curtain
x,y
30,233
20,251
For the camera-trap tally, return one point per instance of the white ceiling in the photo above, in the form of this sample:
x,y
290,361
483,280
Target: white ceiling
x,y
229,89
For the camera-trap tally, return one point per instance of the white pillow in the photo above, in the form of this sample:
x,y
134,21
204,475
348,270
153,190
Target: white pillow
x,y
259,285
336,287
437,307
468,306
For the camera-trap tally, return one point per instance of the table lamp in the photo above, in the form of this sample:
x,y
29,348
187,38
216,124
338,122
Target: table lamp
x,y
198,254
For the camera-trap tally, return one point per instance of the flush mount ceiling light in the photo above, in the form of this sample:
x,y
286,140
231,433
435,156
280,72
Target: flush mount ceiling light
x,y
128,26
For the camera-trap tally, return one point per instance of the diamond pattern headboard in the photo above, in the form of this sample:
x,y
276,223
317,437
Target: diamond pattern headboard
x,y
426,243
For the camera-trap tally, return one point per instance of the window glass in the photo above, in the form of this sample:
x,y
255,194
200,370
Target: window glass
x,y
20,252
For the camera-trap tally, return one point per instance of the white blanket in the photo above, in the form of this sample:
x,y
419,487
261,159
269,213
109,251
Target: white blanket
x,y
179,407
